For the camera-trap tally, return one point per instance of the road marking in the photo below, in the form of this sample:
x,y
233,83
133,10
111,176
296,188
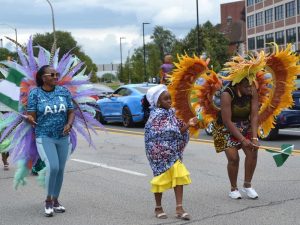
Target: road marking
x,y
296,131
116,131
110,167
125,131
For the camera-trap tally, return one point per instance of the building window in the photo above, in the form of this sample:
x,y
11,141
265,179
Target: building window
x,y
279,13
250,21
251,43
291,35
258,1
279,37
259,19
269,38
260,41
298,6
269,16
290,9
298,34
251,2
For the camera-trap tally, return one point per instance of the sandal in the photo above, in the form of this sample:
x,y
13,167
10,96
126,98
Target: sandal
x,y
159,213
182,215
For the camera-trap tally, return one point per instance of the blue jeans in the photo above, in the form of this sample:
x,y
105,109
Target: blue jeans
x,y
54,152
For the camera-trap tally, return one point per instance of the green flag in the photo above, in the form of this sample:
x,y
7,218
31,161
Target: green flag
x,y
10,89
199,114
282,156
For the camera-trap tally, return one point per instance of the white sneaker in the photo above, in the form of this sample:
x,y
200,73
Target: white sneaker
x,y
48,209
59,208
251,193
48,212
235,194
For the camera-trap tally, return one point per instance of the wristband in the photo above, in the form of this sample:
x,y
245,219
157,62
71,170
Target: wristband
x,y
255,138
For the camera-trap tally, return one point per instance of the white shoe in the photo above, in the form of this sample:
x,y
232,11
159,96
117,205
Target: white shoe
x,y
48,209
48,212
59,208
251,193
235,194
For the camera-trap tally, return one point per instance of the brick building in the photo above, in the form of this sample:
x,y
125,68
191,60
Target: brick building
x,y
233,25
232,9
272,21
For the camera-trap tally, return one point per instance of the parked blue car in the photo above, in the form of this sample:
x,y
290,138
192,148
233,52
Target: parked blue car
x,y
124,105
288,118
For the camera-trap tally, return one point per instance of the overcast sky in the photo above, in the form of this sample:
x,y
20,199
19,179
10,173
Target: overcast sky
x,y
97,25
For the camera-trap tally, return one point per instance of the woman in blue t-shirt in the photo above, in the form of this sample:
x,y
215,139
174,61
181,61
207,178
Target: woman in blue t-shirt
x,y
50,111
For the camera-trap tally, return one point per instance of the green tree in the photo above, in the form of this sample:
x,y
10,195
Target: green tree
x,y
212,42
66,42
108,77
5,54
153,60
133,68
164,40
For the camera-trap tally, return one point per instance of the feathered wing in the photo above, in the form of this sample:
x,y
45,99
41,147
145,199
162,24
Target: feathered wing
x,y
183,90
205,94
274,76
23,147
282,64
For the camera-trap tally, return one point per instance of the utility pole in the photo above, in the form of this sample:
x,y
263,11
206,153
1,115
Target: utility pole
x,y
145,73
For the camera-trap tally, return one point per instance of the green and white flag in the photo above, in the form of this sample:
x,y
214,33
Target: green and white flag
x,y
10,89
281,156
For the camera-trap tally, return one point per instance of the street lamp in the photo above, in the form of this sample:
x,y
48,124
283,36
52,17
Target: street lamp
x,y
53,24
145,75
121,68
198,35
16,33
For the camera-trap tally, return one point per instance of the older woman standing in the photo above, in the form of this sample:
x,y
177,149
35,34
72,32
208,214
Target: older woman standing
x,y
50,111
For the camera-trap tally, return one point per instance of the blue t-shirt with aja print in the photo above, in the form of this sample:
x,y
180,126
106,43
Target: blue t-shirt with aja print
x,y
51,110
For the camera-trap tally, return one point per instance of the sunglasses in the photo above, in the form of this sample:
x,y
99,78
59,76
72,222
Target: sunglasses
x,y
52,74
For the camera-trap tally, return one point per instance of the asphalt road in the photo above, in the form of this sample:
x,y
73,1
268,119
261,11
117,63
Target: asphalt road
x,y
110,185
286,136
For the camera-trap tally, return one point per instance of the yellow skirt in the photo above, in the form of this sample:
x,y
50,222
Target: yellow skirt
x,y
176,175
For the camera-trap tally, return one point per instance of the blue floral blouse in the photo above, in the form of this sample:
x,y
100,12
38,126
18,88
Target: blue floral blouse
x,y
163,140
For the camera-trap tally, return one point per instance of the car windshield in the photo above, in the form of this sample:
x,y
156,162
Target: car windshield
x,y
143,90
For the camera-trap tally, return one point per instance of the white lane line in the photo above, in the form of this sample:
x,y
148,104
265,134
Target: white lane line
x,y
296,131
110,167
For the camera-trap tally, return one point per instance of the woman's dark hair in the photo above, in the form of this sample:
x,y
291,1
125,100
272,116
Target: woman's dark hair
x,y
39,74
146,108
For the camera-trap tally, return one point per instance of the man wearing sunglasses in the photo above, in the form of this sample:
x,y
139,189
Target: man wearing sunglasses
x,y
50,111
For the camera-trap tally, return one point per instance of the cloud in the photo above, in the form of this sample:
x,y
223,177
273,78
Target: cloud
x,y
97,25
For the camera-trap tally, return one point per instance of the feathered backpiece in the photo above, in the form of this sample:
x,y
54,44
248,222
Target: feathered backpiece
x,y
72,77
273,74
240,68
183,87
283,66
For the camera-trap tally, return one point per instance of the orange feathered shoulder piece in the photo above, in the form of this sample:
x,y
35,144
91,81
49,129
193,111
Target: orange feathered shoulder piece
x,y
193,86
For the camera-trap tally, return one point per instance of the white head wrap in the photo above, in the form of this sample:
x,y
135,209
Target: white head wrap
x,y
154,93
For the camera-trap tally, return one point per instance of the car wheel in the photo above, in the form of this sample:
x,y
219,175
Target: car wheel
x,y
272,135
100,117
209,129
127,117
